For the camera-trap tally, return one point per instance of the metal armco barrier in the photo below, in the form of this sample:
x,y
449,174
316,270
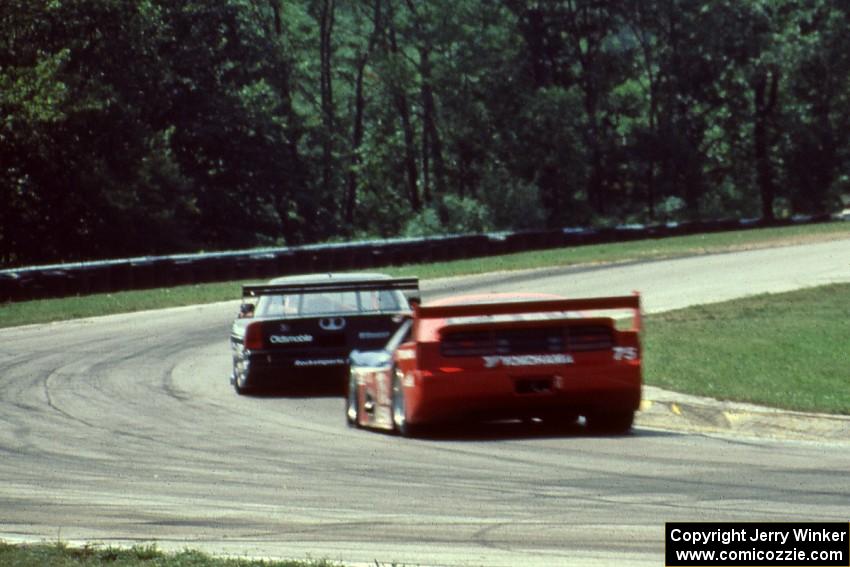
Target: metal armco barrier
x,y
63,280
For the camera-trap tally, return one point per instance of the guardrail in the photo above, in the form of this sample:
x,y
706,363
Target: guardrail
x,y
62,280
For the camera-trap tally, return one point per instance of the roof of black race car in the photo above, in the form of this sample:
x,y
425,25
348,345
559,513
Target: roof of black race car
x,y
329,276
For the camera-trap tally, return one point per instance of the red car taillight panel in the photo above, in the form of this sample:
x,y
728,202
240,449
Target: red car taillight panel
x,y
254,339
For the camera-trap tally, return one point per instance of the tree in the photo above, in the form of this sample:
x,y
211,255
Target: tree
x,y
165,126
86,171
818,131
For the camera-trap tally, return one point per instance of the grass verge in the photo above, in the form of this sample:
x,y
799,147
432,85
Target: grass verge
x,y
786,350
49,310
43,311
62,555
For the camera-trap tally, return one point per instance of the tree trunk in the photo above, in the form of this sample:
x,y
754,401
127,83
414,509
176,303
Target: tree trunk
x,y
326,24
432,144
765,88
359,117
409,150
403,108
278,19
297,177
650,190
356,142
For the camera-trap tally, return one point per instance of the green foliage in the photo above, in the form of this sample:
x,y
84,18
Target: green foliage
x,y
155,127
34,94
451,215
512,204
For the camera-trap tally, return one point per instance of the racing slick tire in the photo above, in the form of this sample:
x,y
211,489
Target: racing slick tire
x,y
399,414
352,407
239,381
616,422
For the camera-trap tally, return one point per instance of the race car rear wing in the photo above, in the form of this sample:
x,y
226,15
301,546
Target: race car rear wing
x,y
387,284
478,310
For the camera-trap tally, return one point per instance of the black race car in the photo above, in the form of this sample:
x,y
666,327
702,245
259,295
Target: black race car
x,y
298,331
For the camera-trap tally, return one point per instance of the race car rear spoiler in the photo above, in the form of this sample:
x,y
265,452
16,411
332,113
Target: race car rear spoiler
x,y
631,302
400,284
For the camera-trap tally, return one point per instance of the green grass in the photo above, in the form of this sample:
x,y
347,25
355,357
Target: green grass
x,y
789,350
42,311
48,310
62,555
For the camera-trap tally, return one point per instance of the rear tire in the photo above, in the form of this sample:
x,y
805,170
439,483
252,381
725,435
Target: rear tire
x,y
240,383
617,422
352,403
399,408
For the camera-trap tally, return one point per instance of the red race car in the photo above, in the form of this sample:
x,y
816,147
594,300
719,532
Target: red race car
x,y
523,357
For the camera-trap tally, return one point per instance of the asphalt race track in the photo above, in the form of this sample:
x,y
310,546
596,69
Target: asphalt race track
x,y
124,429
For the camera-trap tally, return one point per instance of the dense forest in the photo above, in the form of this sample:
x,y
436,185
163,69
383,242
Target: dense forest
x,y
161,126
